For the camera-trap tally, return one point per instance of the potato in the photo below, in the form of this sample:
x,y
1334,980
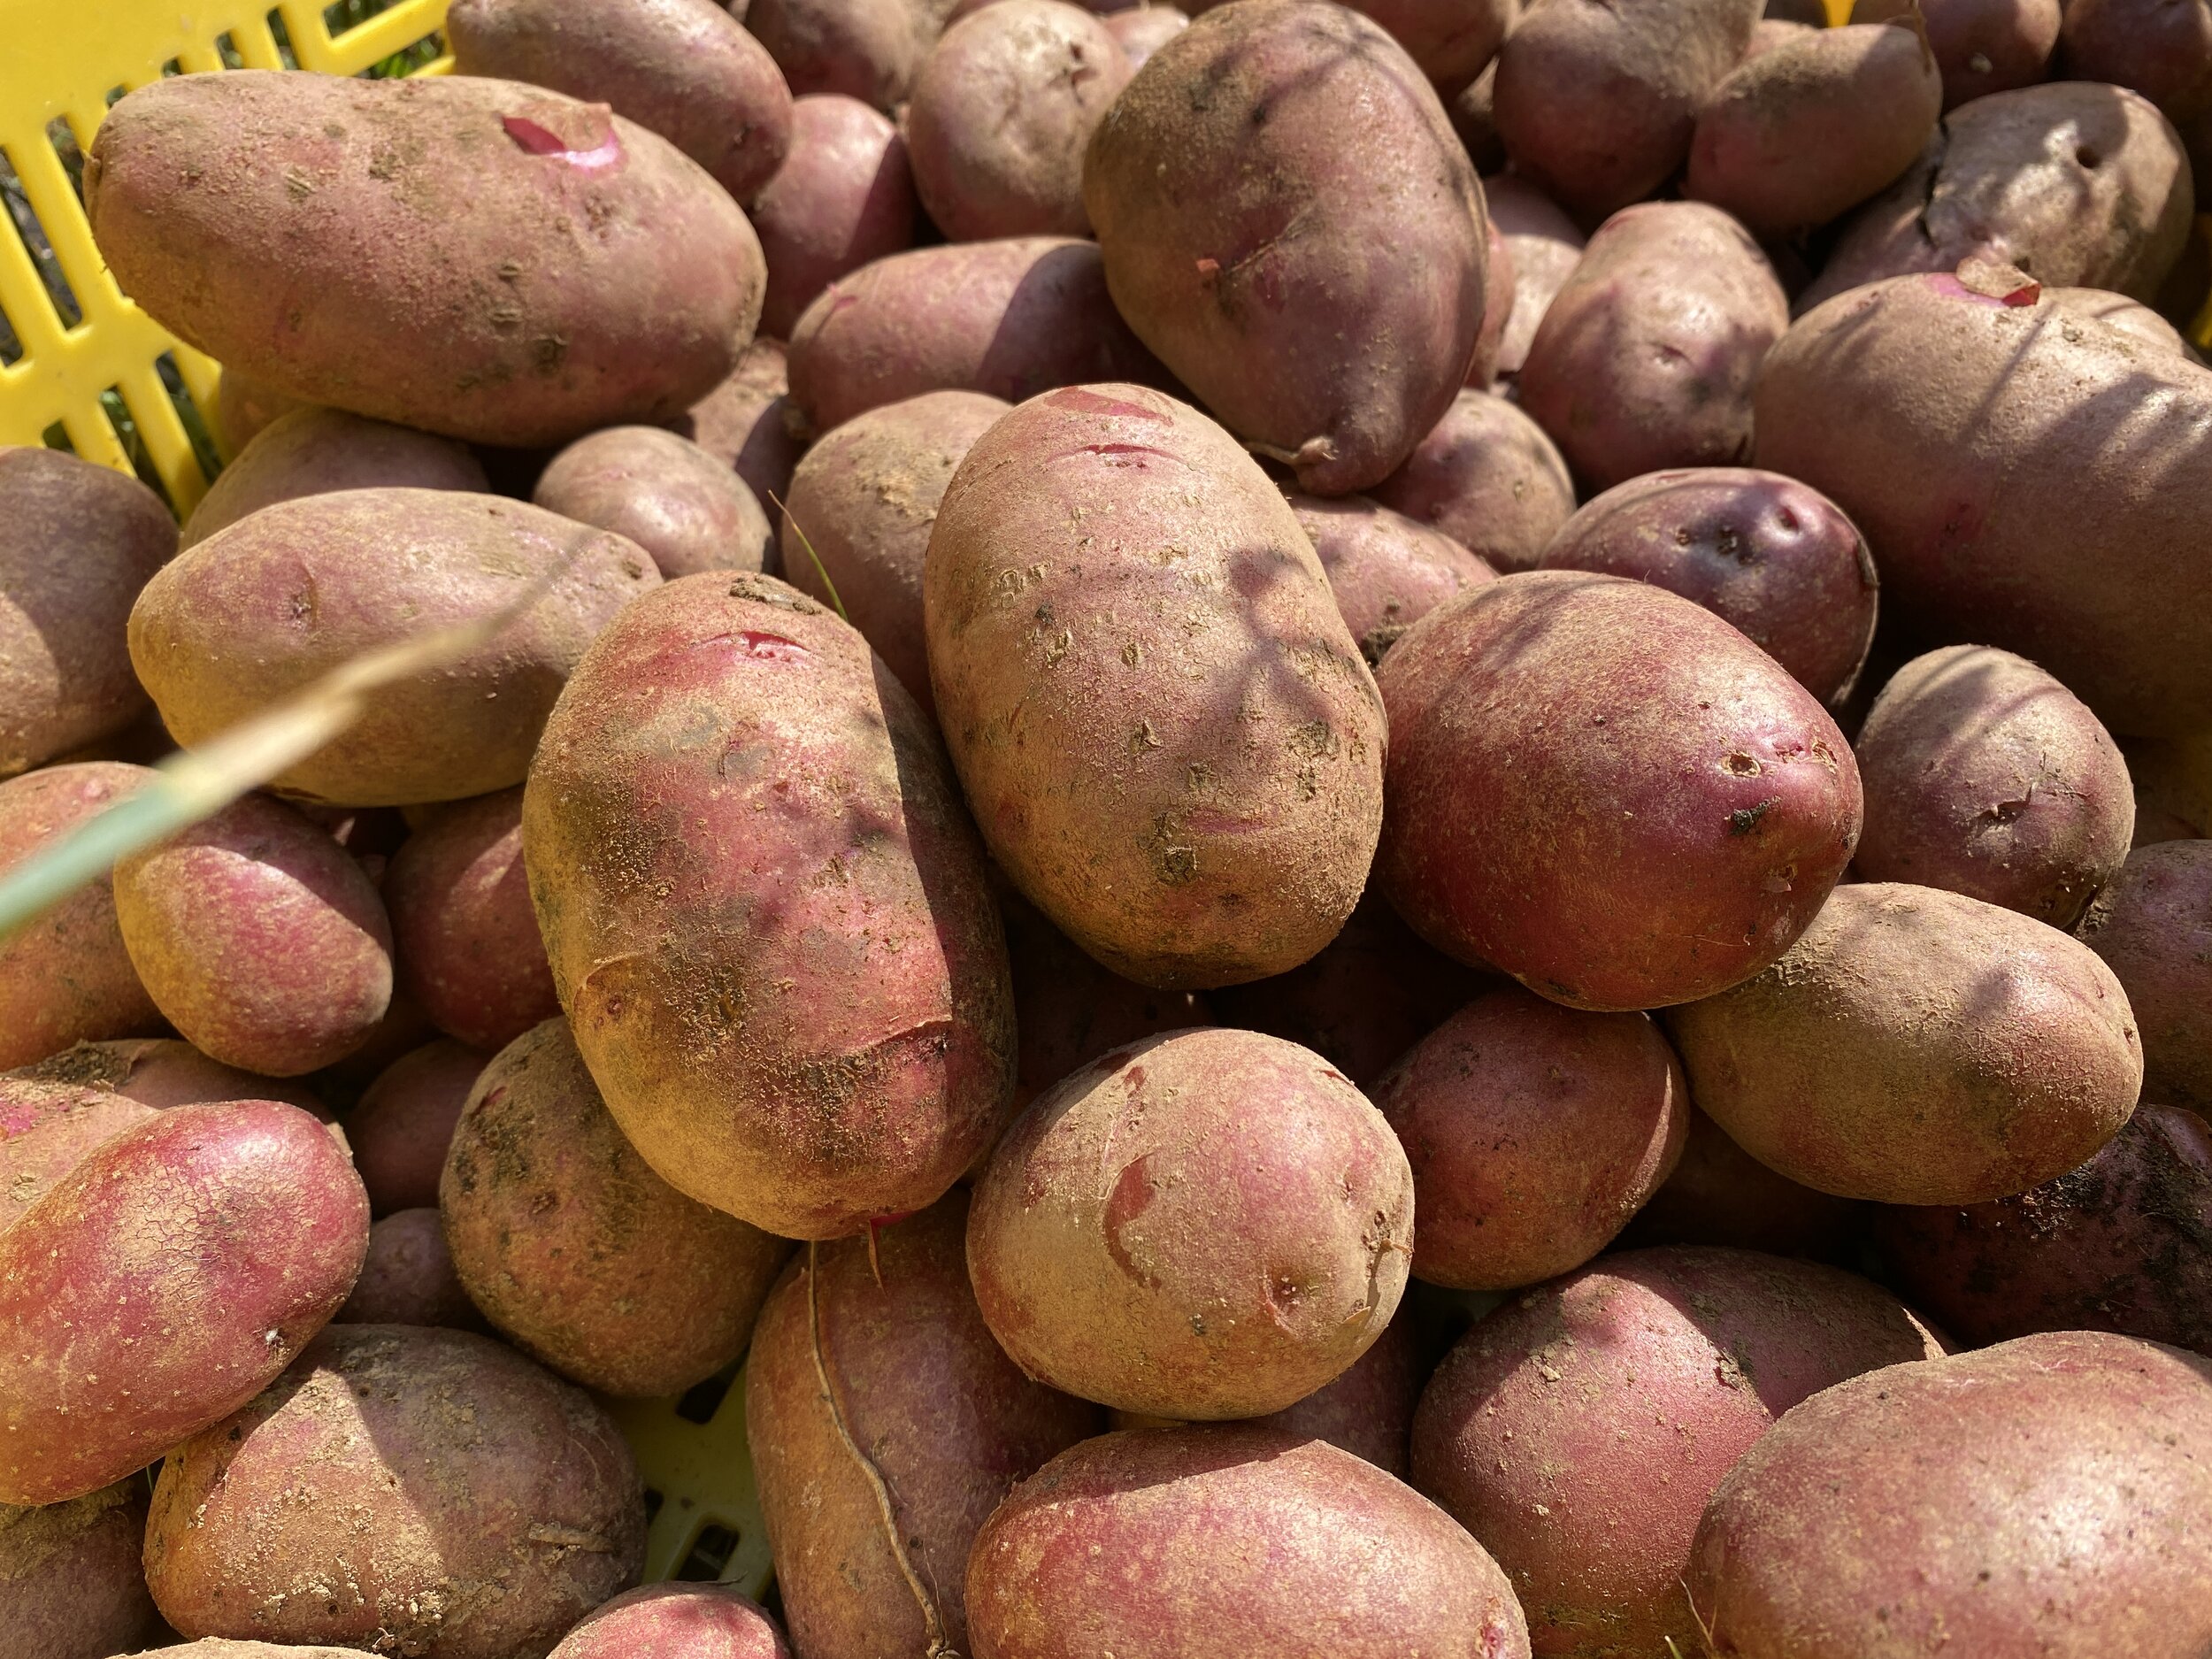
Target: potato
x,y
1160,1542
1008,318
867,50
1964,433
1605,792
258,937
403,1123
1542,247
407,1278
1647,355
1277,191
1983,46
1474,112
48,1129
1489,478
2085,186
2038,1496
2130,317
1002,110
2153,927
843,198
244,406
156,1287
162,1072
1171,743
467,939
1762,552
1596,103
1452,43
2162,51
215,1648
1918,1046
685,69
863,500
662,492
883,1425
277,600
1144,28
1771,33
581,1255
766,912
683,1621
1497,306
552,267
312,452
1081,1243
1802,133
1579,1430
750,422
70,1584
1386,571
445,1465
78,542
1719,1194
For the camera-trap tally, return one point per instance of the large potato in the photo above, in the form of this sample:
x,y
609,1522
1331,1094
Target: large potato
x,y
279,600
660,490
1918,1046
1386,571
312,451
2153,927
1166,732
766,912
551,267
1288,220
1489,478
70,1583
843,198
1606,791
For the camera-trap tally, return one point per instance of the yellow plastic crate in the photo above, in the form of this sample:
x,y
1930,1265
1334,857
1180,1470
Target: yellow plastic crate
x,y
75,350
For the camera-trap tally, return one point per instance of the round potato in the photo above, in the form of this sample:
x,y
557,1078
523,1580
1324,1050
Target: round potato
x,y
677,1621
1489,478
70,1583
312,451
1986,46
662,492
2153,927
867,50
843,198
403,1122
1385,570
407,1278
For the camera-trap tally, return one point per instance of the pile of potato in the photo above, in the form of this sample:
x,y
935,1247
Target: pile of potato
x,y
1182,789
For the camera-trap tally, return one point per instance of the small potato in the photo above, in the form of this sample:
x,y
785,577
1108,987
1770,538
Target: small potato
x,y
1719,1194
162,1283
1144,28
581,1255
867,50
48,1129
676,1621
1983,46
685,69
857,516
162,1072
1159,1541
407,1278
1385,570
70,1583
1923,1507
872,1365
1986,776
1918,1046
1002,107
77,544
244,406
2153,927
467,939
1771,33
215,1648
275,602
1605,792
1008,318
258,937
682,505
444,1463
750,421
312,452
1648,356
403,1123
843,198
1453,40
1578,1430
1489,478
1081,1243
1762,552
1542,248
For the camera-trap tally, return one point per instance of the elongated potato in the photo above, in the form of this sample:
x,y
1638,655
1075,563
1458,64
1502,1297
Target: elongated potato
x,y
70,1584
2152,926
1165,730
313,451
162,1072
1489,478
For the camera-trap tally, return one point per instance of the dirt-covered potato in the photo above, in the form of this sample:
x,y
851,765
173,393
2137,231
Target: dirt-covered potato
x,y
1386,570
676,1621
162,1072
70,1583
1719,1194
867,50
662,492
407,1278
2152,926
843,198
313,451
403,1122
48,1129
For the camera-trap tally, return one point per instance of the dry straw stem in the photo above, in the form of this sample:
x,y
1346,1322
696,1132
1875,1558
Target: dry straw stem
x,y
815,557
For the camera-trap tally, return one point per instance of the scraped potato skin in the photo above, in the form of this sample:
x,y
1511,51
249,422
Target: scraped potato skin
x,y
1542,247
403,1123
2043,1496
1762,552
1597,103
1578,1430
1605,792
1918,1046
77,544
1489,478
275,602
434,1465
676,1621
313,451
685,69
1648,354
1169,739
48,1129
407,1278
321,222
1720,1195
161,1283
162,1072
1386,570
1008,318
867,50
1315,200
662,492
843,198
1230,1538
1964,434
1986,46
2153,927
70,1584
767,914
1210,1224
903,1367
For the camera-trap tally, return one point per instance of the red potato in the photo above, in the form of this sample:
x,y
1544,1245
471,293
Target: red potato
x,y
1230,1538
1144,28
2163,51
676,1621
1647,355
1489,478
403,1122
1386,570
1497,306
467,939
750,422
1607,791
162,1072
70,1584
1771,33
1762,552
843,198
1719,1194
867,50
2152,926
403,1029
2130,317
258,937
48,1129
1542,247
312,451
216,1648
1579,1430
1452,43
1983,46
162,1283
407,1278
664,493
